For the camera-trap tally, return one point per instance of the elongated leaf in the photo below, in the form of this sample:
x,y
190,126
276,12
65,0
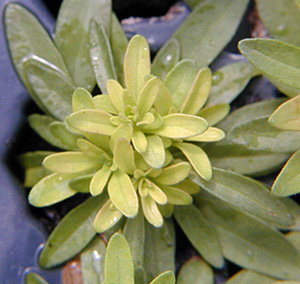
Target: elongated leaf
x,y
92,261
101,56
164,101
287,182
51,189
217,22
27,37
176,196
118,261
92,121
81,183
215,114
103,102
34,278
51,88
136,64
151,211
261,135
88,148
264,55
287,116
166,58
82,99
212,134
154,155
201,233
122,193
179,125
179,81
250,277
250,243
139,141
72,234
99,181
72,27
229,81
195,271
167,277
198,159
247,195
159,245
294,209
124,156
123,131
281,19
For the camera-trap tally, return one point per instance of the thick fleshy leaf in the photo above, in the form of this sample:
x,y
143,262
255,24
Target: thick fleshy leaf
x,y
99,181
82,99
294,209
201,234
72,27
155,153
195,271
198,159
88,148
247,195
81,183
229,81
124,156
115,91
179,81
34,278
101,141
281,19
103,102
70,162
107,217
174,174
264,55
72,234
159,245
188,186
139,141
212,134
101,56
136,64
179,125
287,116
287,182
198,93
123,131
118,261
250,277
155,192
51,189
51,89
167,277
216,24
261,135
26,37
176,196
215,114
166,58
164,101
151,212
92,121
122,193
250,243
92,261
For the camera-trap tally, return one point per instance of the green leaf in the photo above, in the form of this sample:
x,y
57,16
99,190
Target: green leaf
x,y
51,89
195,271
179,81
250,277
82,99
282,66
281,19
155,192
92,261
209,28
198,159
151,211
70,162
215,114
92,121
287,116
250,243
115,91
118,261
166,58
103,102
122,193
81,183
229,81
72,27
261,135
286,182
34,278
99,181
176,196
174,174
155,153
212,134
136,64
159,245
167,277
294,209
179,125
107,217
247,195
51,189
198,93
101,56
72,234
88,148
27,37
200,233
124,156
164,101
123,131
139,141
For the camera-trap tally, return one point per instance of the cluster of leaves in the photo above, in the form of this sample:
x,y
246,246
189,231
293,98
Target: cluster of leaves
x,y
143,142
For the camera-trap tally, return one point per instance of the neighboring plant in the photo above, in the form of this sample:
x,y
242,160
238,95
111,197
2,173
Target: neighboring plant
x,y
143,148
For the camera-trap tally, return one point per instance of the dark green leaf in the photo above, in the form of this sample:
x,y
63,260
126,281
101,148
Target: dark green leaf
x,y
34,278
250,277
167,277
